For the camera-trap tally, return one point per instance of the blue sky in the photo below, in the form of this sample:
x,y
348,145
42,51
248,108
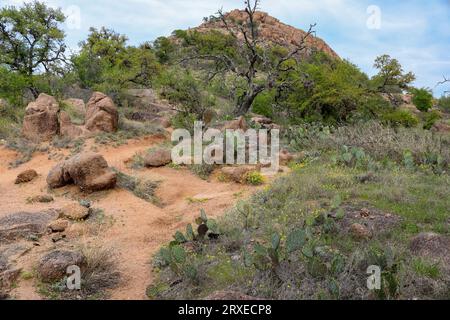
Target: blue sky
x,y
417,32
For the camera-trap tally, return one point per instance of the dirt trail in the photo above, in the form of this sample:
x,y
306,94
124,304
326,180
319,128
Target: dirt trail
x,y
139,227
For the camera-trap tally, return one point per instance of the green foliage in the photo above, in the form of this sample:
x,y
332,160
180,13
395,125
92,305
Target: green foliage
x,y
331,91
203,170
31,39
182,89
106,63
391,77
164,49
295,240
425,268
254,178
401,118
263,104
430,118
423,99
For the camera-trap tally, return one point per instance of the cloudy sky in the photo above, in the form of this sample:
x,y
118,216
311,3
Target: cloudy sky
x,y
416,32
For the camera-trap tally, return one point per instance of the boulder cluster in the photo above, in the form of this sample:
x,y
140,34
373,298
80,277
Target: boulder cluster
x,y
44,118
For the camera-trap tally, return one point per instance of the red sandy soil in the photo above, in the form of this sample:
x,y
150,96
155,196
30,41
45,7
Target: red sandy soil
x,y
139,228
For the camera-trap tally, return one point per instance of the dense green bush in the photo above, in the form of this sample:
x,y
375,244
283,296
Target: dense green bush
x,y
422,99
430,119
401,118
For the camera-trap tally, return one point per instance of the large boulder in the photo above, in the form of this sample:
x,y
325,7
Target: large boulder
x,y
158,158
89,171
77,105
41,119
67,128
238,124
25,225
101,114
53,266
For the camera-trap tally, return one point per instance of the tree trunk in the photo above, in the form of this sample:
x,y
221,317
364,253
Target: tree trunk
x,y
246,103
34,92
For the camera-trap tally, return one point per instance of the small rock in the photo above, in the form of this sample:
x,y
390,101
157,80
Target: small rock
x,y
285,157
74,211
237,174
42,199
26,176
56,237
58,225
359,231
158,158
53,266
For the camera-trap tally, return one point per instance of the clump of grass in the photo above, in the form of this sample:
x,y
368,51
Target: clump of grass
x,y
425,268
24,147
144,189
97,278
203,171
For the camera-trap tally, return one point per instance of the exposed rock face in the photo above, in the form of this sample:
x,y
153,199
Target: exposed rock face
x,y
158,158
25,225
441,127
238,124
88,170
77,104
67,128
41,119
53,266
272,31
101,114
237,174
26,176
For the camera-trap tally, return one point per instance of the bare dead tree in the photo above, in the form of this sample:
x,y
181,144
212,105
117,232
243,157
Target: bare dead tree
x,y
444,82
252,63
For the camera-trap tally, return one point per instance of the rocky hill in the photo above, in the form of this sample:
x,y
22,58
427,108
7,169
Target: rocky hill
x,y
272,31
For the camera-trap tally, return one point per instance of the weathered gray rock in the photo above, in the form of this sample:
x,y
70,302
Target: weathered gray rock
x,y
53,266
25,225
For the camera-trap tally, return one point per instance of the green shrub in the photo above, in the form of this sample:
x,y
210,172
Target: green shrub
x,y
430,119
254,178
422,99
202,170
401,118
263,104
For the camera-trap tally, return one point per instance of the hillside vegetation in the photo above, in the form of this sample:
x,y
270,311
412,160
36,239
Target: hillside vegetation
x,y
366,184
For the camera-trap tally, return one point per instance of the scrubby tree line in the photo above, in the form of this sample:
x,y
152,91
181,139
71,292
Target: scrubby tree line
x,y
233,71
